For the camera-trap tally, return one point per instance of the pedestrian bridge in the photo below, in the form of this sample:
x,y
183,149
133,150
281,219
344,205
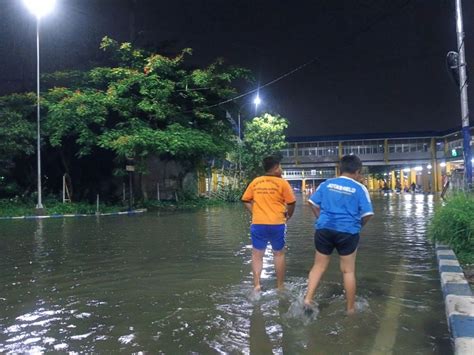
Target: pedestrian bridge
x,y
313,174
397,160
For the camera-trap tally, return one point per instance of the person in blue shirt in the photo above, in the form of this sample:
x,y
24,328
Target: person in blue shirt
x,y
342,207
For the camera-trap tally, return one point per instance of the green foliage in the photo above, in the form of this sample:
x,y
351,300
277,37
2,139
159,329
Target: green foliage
x,y
175,140
136,104
17,208
75,114
148,104
70,78
17,125
123,54
263,136
453,224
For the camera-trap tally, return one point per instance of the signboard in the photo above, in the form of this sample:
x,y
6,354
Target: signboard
x,y
130,168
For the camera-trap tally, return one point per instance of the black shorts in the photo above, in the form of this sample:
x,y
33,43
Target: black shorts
x,y
325,240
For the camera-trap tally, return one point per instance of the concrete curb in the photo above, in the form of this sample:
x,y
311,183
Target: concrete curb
x,y
129,213
458,300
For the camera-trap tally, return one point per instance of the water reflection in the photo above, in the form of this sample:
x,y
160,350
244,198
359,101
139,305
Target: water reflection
x,y
180,283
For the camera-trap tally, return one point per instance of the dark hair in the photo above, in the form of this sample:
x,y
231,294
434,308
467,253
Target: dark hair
x,y
350,164
270,162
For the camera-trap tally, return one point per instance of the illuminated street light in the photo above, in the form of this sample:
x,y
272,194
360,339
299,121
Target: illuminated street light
x,y
257,101
418,168
39,8
443,165
406,170
429,167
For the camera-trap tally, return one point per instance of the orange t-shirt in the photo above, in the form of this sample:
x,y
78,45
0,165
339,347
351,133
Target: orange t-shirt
x,y
270,195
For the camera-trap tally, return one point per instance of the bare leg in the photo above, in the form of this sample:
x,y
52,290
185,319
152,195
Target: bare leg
x,y
321,262
347,263
257,266
279,260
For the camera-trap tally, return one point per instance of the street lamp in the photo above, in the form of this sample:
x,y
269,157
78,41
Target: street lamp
x,y
463,96
256,101
39,8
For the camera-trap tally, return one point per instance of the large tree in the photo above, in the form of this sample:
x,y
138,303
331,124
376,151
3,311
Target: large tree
x,y
263,136
137,105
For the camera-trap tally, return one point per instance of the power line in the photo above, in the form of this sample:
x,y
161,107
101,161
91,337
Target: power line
x,y
382,17
260,87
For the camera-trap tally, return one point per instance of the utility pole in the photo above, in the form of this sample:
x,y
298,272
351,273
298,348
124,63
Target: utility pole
x,y
466,134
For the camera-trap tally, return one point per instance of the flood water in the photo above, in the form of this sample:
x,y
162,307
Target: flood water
x,y
179,283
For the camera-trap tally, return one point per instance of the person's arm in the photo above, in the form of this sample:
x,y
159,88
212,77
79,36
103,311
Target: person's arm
x,y
366,219
365,206
247,198
248,206
316,210
315,201
289,198
290,209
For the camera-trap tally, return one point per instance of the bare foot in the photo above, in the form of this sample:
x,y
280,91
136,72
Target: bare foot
x,y
351,311
257,288
308,311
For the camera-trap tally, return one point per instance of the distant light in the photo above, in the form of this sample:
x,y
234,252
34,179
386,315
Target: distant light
x,y
443,165
385,174
472,161
407,170
429,167
257,101
39,8
418,168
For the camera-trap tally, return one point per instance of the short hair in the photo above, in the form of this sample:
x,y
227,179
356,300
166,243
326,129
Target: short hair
x,y
350,164
270,162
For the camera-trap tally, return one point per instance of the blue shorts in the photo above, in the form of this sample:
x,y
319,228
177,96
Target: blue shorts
x,y
325,240
261,234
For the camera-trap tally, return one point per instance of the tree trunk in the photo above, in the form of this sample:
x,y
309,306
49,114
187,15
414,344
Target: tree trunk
x,y
143,188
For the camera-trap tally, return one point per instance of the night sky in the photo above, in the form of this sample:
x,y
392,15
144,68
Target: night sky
x,y
380,64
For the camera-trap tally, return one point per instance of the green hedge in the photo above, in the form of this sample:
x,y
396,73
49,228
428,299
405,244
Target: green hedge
x,y
453,224
13,208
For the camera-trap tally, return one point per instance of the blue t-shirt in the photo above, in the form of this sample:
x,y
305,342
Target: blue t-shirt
x,y
343,203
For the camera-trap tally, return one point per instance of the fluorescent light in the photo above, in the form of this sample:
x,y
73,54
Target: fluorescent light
x,y
418,168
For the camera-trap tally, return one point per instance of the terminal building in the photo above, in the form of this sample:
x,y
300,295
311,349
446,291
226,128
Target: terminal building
x,y
397,161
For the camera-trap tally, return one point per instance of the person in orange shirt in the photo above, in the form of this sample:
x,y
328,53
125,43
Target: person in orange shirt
x,y
271,201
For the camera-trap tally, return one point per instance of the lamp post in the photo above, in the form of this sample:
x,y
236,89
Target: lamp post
x,y
256,101
39,8
464,99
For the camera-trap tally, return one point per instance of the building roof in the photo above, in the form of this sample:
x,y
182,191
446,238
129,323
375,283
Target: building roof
x,y
366,136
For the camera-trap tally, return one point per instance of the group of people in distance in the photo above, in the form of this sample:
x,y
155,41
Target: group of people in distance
x,y
341,207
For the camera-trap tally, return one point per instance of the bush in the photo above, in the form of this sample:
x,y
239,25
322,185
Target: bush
x,y
453,224
26,207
